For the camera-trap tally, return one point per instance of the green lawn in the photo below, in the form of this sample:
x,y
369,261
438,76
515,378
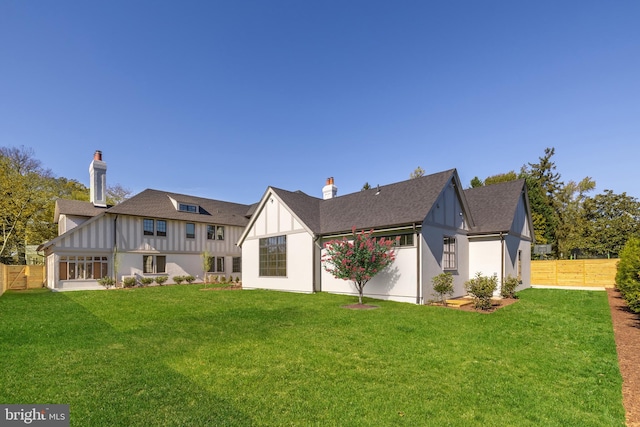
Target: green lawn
x,y
179,356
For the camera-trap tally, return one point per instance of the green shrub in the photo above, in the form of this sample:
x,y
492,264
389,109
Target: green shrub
x,y
443,286
628,274
237,279
189,279
481,288
107,282
178,279
146,281
509,285
160,280
129,282
223,279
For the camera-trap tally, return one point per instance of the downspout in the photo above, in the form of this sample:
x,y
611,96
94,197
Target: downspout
x,y
502,259
418,283
115,249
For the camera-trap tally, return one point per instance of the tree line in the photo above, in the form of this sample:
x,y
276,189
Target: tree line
x,y
567,217
28,192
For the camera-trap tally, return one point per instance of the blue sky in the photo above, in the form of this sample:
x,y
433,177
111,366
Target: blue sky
x,y
221,99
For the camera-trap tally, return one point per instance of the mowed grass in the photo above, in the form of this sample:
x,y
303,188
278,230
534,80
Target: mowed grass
x,y
178,356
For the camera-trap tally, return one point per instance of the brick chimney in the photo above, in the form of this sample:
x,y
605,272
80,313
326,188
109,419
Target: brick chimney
x,y
98,184
329,191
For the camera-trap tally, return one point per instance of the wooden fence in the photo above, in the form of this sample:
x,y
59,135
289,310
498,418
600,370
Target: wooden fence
x,y
21,277
578,273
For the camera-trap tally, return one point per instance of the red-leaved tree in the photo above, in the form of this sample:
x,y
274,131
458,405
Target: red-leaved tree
x,y
358,257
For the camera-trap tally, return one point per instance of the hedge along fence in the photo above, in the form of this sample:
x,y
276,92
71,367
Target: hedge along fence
x,y
21,277
578,272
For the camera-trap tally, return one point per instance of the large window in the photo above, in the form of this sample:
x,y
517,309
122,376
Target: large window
x,y
449,253
153,264
220,232
191,230
161,228
215,232
220,264
83,267
216,264
273,256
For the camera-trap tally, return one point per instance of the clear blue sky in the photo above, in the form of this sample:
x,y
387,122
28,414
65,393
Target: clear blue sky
x,y
221,99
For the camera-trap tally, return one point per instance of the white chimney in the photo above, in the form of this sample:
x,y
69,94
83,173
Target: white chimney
x,y
98,185
329,191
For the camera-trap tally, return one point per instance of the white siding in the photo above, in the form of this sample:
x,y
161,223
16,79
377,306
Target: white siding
x,y
275,219
398,282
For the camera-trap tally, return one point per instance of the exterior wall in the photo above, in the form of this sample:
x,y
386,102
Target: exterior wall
x,y
514,247
184,256
446,219
398,282
485,255
432,253
67,222
275,219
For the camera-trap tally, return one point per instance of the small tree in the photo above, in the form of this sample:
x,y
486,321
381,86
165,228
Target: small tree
x,y
358,258
207,260
443,285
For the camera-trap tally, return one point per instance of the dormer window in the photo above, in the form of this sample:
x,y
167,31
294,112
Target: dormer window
x,y
183,207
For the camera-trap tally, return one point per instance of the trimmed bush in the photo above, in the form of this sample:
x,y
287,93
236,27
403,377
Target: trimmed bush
x,y
509,285
129,282
146,281
160,280
628,274
107,282
189,279
178,279
481,288
443,286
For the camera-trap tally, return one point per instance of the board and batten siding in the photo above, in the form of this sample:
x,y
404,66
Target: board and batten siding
x,y
275,219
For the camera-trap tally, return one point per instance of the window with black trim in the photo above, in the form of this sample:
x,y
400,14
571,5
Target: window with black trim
x,y
82,267
237,265
191,230
161,228
220,264
273,256
220,232
211,232
449,253
147,227
187,208
153,264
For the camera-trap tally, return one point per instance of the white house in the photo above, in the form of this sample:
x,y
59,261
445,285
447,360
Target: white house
x,y
441,228
154,233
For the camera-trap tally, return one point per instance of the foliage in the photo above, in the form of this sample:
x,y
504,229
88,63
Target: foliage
x,y
107,281
611,219
443,286
207,262
358,258
481,288
130,282
189,279
417,173
146,281
499,178
178,279
572,223
176,356
161,280
628,274
237,279
476,182
508,288
117,194
366,186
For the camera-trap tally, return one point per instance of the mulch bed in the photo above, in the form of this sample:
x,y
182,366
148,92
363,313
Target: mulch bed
x,y
626,329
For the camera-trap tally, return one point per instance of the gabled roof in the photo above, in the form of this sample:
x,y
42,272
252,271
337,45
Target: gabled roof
x,y
157,204
402,203
494,206
76,208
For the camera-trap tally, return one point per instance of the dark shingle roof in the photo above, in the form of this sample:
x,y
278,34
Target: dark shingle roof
x,y
157,204
401,203
493,207
76,208
306,207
